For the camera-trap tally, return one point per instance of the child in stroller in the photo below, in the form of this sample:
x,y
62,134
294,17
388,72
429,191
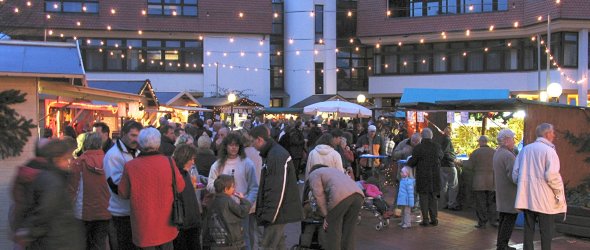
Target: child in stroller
x,y
374,202
312,233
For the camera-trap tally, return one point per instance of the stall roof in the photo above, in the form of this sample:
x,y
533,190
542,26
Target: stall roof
x,y
170,98
315,99
222,101
40,59
138,87
478,105
414,95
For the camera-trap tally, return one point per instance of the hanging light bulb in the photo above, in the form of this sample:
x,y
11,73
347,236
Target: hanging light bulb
x,y
276,15
139,32
491,27
113,11
143,12
241,14
349,13
242,53
109,27
467,32
515,24
78,23
351,40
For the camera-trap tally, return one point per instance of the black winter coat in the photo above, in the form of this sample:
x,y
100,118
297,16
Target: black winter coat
x,y
192,215
426,158
297,144
278,201
167,146
448,152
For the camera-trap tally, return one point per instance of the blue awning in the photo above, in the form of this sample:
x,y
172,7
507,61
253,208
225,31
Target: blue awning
x,y
412,95
49,59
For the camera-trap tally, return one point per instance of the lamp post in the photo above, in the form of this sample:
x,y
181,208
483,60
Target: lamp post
x,y
361,98
232,98
554,90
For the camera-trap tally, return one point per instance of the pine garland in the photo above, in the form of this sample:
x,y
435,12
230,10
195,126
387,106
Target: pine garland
x,y
15,130
581,141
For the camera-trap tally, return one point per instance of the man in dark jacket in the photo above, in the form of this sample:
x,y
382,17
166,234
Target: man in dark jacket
x,y
278,202
297,147
168,138
448,172
426,158
104,131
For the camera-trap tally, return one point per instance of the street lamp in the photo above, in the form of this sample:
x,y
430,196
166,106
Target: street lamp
x,y
232,98
361,98
554,90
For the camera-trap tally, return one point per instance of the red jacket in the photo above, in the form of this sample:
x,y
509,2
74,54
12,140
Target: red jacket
x,y
91,196
147,183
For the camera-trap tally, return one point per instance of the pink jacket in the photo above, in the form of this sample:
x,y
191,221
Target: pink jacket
x,y
371,190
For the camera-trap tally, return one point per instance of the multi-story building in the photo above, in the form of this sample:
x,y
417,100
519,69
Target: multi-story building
x,y
476,44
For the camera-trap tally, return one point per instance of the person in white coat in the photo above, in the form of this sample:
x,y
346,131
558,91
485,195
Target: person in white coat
x,y
540,192
325,154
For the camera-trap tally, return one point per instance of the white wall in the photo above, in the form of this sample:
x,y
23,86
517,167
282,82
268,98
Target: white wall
x,y
163,82
250,71
299,69
517,81
329,48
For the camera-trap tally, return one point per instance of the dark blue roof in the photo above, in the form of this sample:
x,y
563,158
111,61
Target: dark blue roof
x,y
49,58
412,95
164,97
131,87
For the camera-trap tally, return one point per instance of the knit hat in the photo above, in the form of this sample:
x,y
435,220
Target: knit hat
x,y
204,142
372,128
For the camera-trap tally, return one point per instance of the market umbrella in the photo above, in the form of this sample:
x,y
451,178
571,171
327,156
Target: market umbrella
x,y
340,108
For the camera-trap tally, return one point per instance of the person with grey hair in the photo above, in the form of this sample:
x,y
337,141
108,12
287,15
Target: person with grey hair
x,y
540,191
147,182
90,191
426,159
503,162
483,183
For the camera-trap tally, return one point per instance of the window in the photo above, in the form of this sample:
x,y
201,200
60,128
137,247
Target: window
x,y
135,55
457,58
440,57
494,56
475,57
319,23
570,50
319,78
72,6
418,8
172,7
276,102
277,47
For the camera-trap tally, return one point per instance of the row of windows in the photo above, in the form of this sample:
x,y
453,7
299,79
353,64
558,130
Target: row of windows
x,y
142,55
277,80
416,8
154,7
474,56
353,68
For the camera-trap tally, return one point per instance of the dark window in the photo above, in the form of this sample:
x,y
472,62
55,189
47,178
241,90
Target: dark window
x,y
173,7
319,23
418,8
475,57
570,49
494,54
72,6
277,47
319,78
458,57
276,102
440,57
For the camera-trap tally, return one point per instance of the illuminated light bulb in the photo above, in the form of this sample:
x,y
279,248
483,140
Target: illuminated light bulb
x,y
50,32
423,61
471,7
75,38
312,14
231,39
130,47
557,1
109,27
321,41
122,55
142,60
208,53
276,15
464,53
186,65
261,42
113,11
316,51
422,40
101,43
259,54
533,38
242,53
399,44
444,37
152,61
491,27
352,69
336,50
405,63
388,12
443,33
444,58
278,53
256,69
231,66
542,42
370,67
356,48
143,12
29,3
377,45
169,64
468,33
509,44
61,34
55,6
84,8
176,52
48,16
178,64
322,71
349,13
515,25
88,41
486,49
281,71
194,65
111,53
116,45
386,65
78,23
241,14
16,10
100,50
247,69
351,40
139,32
540,18
201,37
291,41
224,54
307,71
551,58
174,13
297,52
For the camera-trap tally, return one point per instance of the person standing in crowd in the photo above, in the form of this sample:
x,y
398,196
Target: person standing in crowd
x,y
90,192
43,216
339,201
277,203
405,197
503,162
297,147
205,156
253,228
483,183
325,154
232,161
189,233
183,140
104,131
426,158
540,191
339,144
314,134
448,172
223,224
370,143
218,138
125,150
168,138
147,183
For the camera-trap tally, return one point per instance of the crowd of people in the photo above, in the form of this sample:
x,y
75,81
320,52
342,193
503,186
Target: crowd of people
x,y
237,189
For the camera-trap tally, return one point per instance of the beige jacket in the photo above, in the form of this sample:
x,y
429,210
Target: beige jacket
x,y
483,170
505,188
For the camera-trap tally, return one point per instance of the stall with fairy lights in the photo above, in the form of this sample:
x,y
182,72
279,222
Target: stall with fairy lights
x,y
233,110
178,106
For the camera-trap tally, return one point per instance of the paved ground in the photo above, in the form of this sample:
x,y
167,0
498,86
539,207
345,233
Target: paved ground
x,y
455,231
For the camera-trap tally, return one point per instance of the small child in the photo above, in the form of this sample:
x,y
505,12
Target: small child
x,y
223,225
371,190
405,197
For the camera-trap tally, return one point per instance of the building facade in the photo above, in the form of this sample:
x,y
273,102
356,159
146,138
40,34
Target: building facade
x,y
479,44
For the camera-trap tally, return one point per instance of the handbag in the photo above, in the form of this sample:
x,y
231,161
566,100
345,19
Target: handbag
x,y
177,204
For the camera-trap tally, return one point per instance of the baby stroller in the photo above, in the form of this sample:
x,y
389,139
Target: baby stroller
x,y
375,204
312,226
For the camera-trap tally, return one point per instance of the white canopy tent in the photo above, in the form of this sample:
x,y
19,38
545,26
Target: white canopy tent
x,y
338,107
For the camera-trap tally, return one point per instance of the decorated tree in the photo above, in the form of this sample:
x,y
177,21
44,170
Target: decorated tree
x,y
15,130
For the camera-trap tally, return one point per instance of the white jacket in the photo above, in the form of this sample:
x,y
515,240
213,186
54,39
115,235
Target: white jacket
x,y
326,155
539,184
114,162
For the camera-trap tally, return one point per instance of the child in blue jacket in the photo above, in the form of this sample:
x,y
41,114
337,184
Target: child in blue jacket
x,y
405,197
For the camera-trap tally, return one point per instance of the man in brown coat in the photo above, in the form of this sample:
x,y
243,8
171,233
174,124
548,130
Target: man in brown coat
x,y
483,183
505,188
